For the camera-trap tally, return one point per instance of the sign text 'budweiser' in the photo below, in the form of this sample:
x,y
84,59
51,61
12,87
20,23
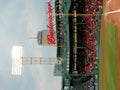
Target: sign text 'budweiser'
x,y
50,36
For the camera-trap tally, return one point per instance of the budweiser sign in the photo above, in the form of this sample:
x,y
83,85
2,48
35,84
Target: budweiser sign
x,y
50,36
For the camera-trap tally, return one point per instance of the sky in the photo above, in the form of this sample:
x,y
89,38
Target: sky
x,y
20,20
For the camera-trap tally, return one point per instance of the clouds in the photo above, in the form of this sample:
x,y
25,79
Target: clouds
x,y
12,30
46,80
12,20
19,20
35,15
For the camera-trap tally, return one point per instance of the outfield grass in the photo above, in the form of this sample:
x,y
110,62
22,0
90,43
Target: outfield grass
x,y
112,58
111,67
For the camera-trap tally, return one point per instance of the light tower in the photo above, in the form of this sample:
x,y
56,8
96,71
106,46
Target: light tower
x,y
18,60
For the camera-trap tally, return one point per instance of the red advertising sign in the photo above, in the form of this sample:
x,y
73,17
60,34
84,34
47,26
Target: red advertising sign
x,y
50,36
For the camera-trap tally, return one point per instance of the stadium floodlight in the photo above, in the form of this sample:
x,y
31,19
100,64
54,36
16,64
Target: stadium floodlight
x,y
17,52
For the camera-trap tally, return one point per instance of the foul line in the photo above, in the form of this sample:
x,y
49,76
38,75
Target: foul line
x,y
108,2
115,11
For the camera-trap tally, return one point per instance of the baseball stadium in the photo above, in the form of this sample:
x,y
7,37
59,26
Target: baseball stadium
x,y
88,41
78,25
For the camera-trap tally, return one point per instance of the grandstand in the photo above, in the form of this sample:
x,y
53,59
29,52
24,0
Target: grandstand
x,y
77,32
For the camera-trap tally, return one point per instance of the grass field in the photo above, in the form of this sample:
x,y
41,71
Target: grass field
x,y
111,62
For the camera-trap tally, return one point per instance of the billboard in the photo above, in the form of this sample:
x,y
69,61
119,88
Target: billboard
x,y
47,37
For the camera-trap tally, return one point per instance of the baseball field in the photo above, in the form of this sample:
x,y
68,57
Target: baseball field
x,y
109,66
